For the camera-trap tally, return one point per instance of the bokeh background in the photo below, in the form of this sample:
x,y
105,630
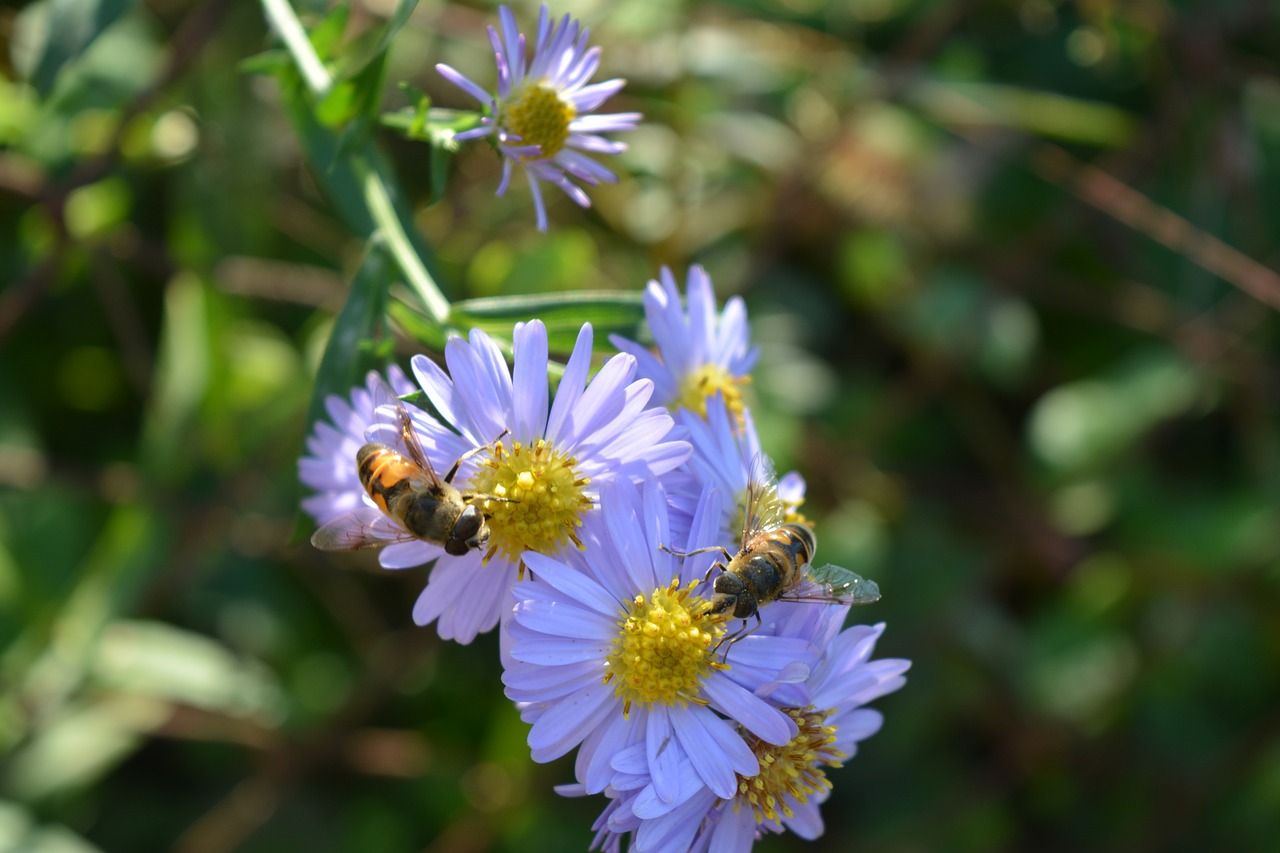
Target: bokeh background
x,y
1011,264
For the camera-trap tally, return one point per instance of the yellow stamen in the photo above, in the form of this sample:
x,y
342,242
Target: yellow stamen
x,y
537,114
664,649
794,769
705,382
543,501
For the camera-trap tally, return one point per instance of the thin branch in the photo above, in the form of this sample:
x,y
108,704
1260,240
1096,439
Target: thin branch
x,y
1108,194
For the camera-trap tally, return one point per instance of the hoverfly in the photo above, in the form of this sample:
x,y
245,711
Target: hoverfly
x,y
407,492
773,562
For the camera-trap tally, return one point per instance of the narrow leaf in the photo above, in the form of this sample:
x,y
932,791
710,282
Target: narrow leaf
x,y
608,312
352,347
347,355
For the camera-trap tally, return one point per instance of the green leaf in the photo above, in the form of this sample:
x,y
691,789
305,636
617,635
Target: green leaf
x,y
353,172
439,173
326,35
371,47
608,312
360,73
159,661
353,345
349,352
1046,114
417,326
274,61
19,830
51,33
424,123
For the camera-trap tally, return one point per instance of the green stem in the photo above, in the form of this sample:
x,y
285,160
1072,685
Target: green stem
x,y
280,13
415,272
376,192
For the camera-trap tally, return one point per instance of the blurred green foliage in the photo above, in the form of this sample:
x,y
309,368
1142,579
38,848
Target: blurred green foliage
x,y
1011,265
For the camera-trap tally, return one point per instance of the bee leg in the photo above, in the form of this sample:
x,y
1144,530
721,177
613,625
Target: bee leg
x,y
673,552
737,635
470,496
448,478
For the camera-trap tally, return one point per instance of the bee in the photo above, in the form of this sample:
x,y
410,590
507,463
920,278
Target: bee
x,y
407,491
773,563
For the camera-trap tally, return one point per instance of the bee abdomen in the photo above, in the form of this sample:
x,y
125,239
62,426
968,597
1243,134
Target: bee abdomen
x,y
803,544
378,467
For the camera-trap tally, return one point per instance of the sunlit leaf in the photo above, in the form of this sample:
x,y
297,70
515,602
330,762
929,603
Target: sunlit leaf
x,y
82,744
608,312
980,104
20,831
164,662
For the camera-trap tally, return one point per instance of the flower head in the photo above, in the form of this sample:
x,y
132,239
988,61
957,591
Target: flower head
x,y
613,649
700,354
542,118
534,465
330,464
828,712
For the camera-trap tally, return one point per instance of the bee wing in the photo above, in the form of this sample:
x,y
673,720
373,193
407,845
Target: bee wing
x,y
388,406
834,584
361,528
761,509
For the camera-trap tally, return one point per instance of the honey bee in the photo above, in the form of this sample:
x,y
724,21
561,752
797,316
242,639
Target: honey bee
x,y
407,491
773,563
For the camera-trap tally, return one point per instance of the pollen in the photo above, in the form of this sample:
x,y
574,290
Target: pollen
x,y
533,498
539,116
705,382
664,649
792,772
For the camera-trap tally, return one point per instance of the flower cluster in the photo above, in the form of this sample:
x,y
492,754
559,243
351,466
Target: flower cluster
x,y
600,525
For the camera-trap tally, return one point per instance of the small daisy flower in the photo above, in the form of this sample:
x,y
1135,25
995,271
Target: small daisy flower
x,y
542,117
543,464
612,649
699,353
330,464
792,781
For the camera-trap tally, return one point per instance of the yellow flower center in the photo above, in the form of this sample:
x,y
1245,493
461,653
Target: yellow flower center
x,y
664,649
538,115
542,500
793,514
705,382
795,768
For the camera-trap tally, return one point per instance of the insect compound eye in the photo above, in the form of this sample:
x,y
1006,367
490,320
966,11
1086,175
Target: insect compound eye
x,y
746,606
470,528
456,547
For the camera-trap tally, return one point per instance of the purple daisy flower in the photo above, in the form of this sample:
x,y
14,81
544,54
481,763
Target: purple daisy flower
x,y
829,713
542,116
612,649
330,464
699,353
543,464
